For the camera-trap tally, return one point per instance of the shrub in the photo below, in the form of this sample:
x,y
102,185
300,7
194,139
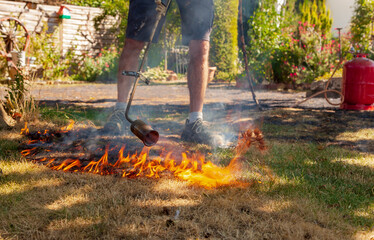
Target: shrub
x,y
360,27
156,74
102,67
48,54
18,102
315,13
308,55
224,43
249,7
284,49
265,37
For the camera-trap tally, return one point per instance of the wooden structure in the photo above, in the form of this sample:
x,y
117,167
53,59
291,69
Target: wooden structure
x,y
78,32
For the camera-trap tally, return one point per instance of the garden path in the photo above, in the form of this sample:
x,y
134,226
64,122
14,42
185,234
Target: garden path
x,y
104,95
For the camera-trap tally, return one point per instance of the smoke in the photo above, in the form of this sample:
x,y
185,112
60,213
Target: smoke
x,y
228,120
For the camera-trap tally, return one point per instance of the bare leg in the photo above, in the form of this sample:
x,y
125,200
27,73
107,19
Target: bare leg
x,y
194,130
198,73
116,123
128,61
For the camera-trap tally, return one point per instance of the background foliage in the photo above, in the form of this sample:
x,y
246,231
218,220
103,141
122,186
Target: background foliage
x,y
291,43
48,54
362,26
265,37
314,12
249,7
224,38
101,68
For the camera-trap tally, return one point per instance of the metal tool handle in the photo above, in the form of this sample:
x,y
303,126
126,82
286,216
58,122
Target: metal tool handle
x,y
136,74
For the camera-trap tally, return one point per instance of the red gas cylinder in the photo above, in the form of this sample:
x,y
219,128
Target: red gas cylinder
x,y
358,84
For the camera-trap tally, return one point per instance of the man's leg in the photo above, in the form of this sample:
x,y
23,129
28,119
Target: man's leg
x,y
129,61
140,24
194,130
197,21
198,73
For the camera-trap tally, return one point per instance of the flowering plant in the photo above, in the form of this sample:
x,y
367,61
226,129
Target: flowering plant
x,y
102,67
304,55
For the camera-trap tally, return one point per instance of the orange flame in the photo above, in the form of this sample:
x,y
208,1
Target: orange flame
x,y
67,165
99,167
27,151
191,167
68,127
25,130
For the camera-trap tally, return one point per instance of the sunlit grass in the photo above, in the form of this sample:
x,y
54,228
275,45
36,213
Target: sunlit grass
x,y
337,178
63,114
361,134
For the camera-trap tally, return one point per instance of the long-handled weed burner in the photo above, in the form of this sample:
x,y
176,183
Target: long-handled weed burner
x,y
143,131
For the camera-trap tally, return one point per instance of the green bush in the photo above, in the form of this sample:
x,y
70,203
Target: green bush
x,y
48,54
224,39
249,7
156,74
361,26
265,34
307,54
285,49
102,67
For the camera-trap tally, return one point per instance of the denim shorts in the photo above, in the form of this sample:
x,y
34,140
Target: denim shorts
x,y
196,15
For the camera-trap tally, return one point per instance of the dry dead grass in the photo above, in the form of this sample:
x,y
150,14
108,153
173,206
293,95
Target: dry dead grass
x,y
44,204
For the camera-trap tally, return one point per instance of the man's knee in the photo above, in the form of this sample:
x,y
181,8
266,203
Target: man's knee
x,y
133,45
199,48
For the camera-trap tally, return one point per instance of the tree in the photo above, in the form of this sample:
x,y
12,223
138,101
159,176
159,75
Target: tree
x,y
315,12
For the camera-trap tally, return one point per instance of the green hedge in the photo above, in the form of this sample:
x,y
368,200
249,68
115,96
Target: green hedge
x,y
224,39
